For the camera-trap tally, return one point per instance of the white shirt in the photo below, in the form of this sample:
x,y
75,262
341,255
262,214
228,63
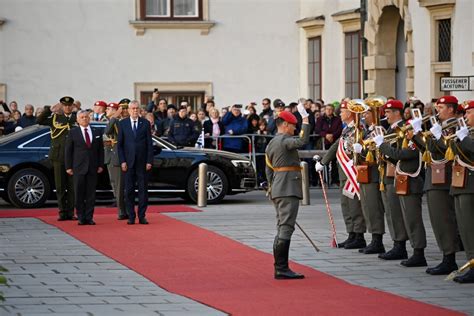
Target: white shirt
x,y
131,122
89,131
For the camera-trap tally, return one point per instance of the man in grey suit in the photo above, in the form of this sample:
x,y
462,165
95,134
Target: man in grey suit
x,y
284,176
114,111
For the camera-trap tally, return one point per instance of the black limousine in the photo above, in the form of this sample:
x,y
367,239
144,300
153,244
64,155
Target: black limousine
x,y
26,174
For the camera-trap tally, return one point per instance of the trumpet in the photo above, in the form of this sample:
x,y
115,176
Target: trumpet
x,y
425,119
447,126
388,138
454,136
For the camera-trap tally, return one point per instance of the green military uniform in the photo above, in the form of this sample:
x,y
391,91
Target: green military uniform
x,y
351,208
371,201
284,175
393,209
440,202
409,163
464,201
60,125
111,159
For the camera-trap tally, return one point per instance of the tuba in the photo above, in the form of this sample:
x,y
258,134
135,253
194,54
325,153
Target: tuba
x,y
374,104
358,107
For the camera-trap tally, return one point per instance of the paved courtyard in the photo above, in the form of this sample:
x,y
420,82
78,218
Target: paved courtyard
x,y
51,272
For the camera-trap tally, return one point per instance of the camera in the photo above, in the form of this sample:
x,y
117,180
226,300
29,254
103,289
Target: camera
x,y
156,90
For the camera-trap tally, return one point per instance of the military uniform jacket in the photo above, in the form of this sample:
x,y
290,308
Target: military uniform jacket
x,y
437,149
111,134
389,180
282,151
409,159
60,125
347,137
465,150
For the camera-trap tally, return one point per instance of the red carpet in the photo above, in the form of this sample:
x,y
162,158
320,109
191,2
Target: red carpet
x,y
228,275
97,211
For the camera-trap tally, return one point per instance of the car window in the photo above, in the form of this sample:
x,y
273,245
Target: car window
x,y
42,141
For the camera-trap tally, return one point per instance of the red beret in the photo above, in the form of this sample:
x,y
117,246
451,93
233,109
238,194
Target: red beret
x,y
393,104
468,105
114,105
288,117
447,99
343,105
101,103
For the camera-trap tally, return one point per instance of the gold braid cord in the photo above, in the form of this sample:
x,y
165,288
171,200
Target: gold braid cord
x,y
58,128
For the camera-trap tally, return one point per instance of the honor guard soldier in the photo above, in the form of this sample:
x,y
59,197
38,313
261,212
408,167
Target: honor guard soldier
x,y
98,114
285,187
462,187
390,199
408,185
342,150
370,196
438,182
111,159
60,119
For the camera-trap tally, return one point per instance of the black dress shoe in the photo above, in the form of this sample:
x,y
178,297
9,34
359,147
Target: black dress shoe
x,y
91,222
417,260
467,277
288,275
131,222
82,223
398,252
446,266
143,221
349,239
122,217
358,242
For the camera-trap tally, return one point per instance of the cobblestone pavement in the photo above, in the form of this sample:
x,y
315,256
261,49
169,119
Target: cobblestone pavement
x,y
51,272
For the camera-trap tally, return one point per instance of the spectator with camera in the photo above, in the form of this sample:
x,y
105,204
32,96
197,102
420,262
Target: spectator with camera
x,y
183,131
235,124
163,126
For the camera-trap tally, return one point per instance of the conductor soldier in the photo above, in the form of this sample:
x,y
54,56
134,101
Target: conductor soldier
x,y
284,175
60,119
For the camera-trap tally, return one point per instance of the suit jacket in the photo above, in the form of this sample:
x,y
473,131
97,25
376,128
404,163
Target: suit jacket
x,y
282,151
135,149
80,158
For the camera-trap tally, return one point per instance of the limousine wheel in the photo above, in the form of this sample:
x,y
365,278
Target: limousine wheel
x,y
28,188
217,185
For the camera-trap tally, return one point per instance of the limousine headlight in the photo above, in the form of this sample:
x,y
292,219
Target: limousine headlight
x,y
4,168
241,163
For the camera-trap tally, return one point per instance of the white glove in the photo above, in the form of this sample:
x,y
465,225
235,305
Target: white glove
x,y
416,123
462,133
437,131
378,140
319,167
357,148
302,110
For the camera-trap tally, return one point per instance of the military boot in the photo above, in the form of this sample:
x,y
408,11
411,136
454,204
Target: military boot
x,y
349,239
398,251
280,253
446,266
467,277
358,242
417,260
375,246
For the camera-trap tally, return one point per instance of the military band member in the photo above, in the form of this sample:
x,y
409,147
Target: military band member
x,y
438,183
98,114
284,175
390,199
350,201
370,195
408,185
60,119
462,188
114,111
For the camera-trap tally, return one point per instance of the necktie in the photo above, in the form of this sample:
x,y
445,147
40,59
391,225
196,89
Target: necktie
x,y
134,127
88,139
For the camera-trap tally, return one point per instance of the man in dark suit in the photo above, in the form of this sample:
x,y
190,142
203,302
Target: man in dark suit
x,y
135,151
84,158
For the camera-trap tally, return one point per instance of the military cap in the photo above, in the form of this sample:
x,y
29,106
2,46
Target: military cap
x,y
124,103
171,106
183,107
468,105
393,104
113,105
447,99
101,103
288,117
66,100
277,103
237,106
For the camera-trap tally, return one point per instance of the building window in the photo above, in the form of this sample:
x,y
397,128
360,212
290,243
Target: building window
x,y
444,40
314,67
171,9
194,98
352,65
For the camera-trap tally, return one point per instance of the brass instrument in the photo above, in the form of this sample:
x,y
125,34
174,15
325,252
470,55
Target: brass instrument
x,y
375,103
358,107
468,265
425,119
389,138
454,136
448,126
